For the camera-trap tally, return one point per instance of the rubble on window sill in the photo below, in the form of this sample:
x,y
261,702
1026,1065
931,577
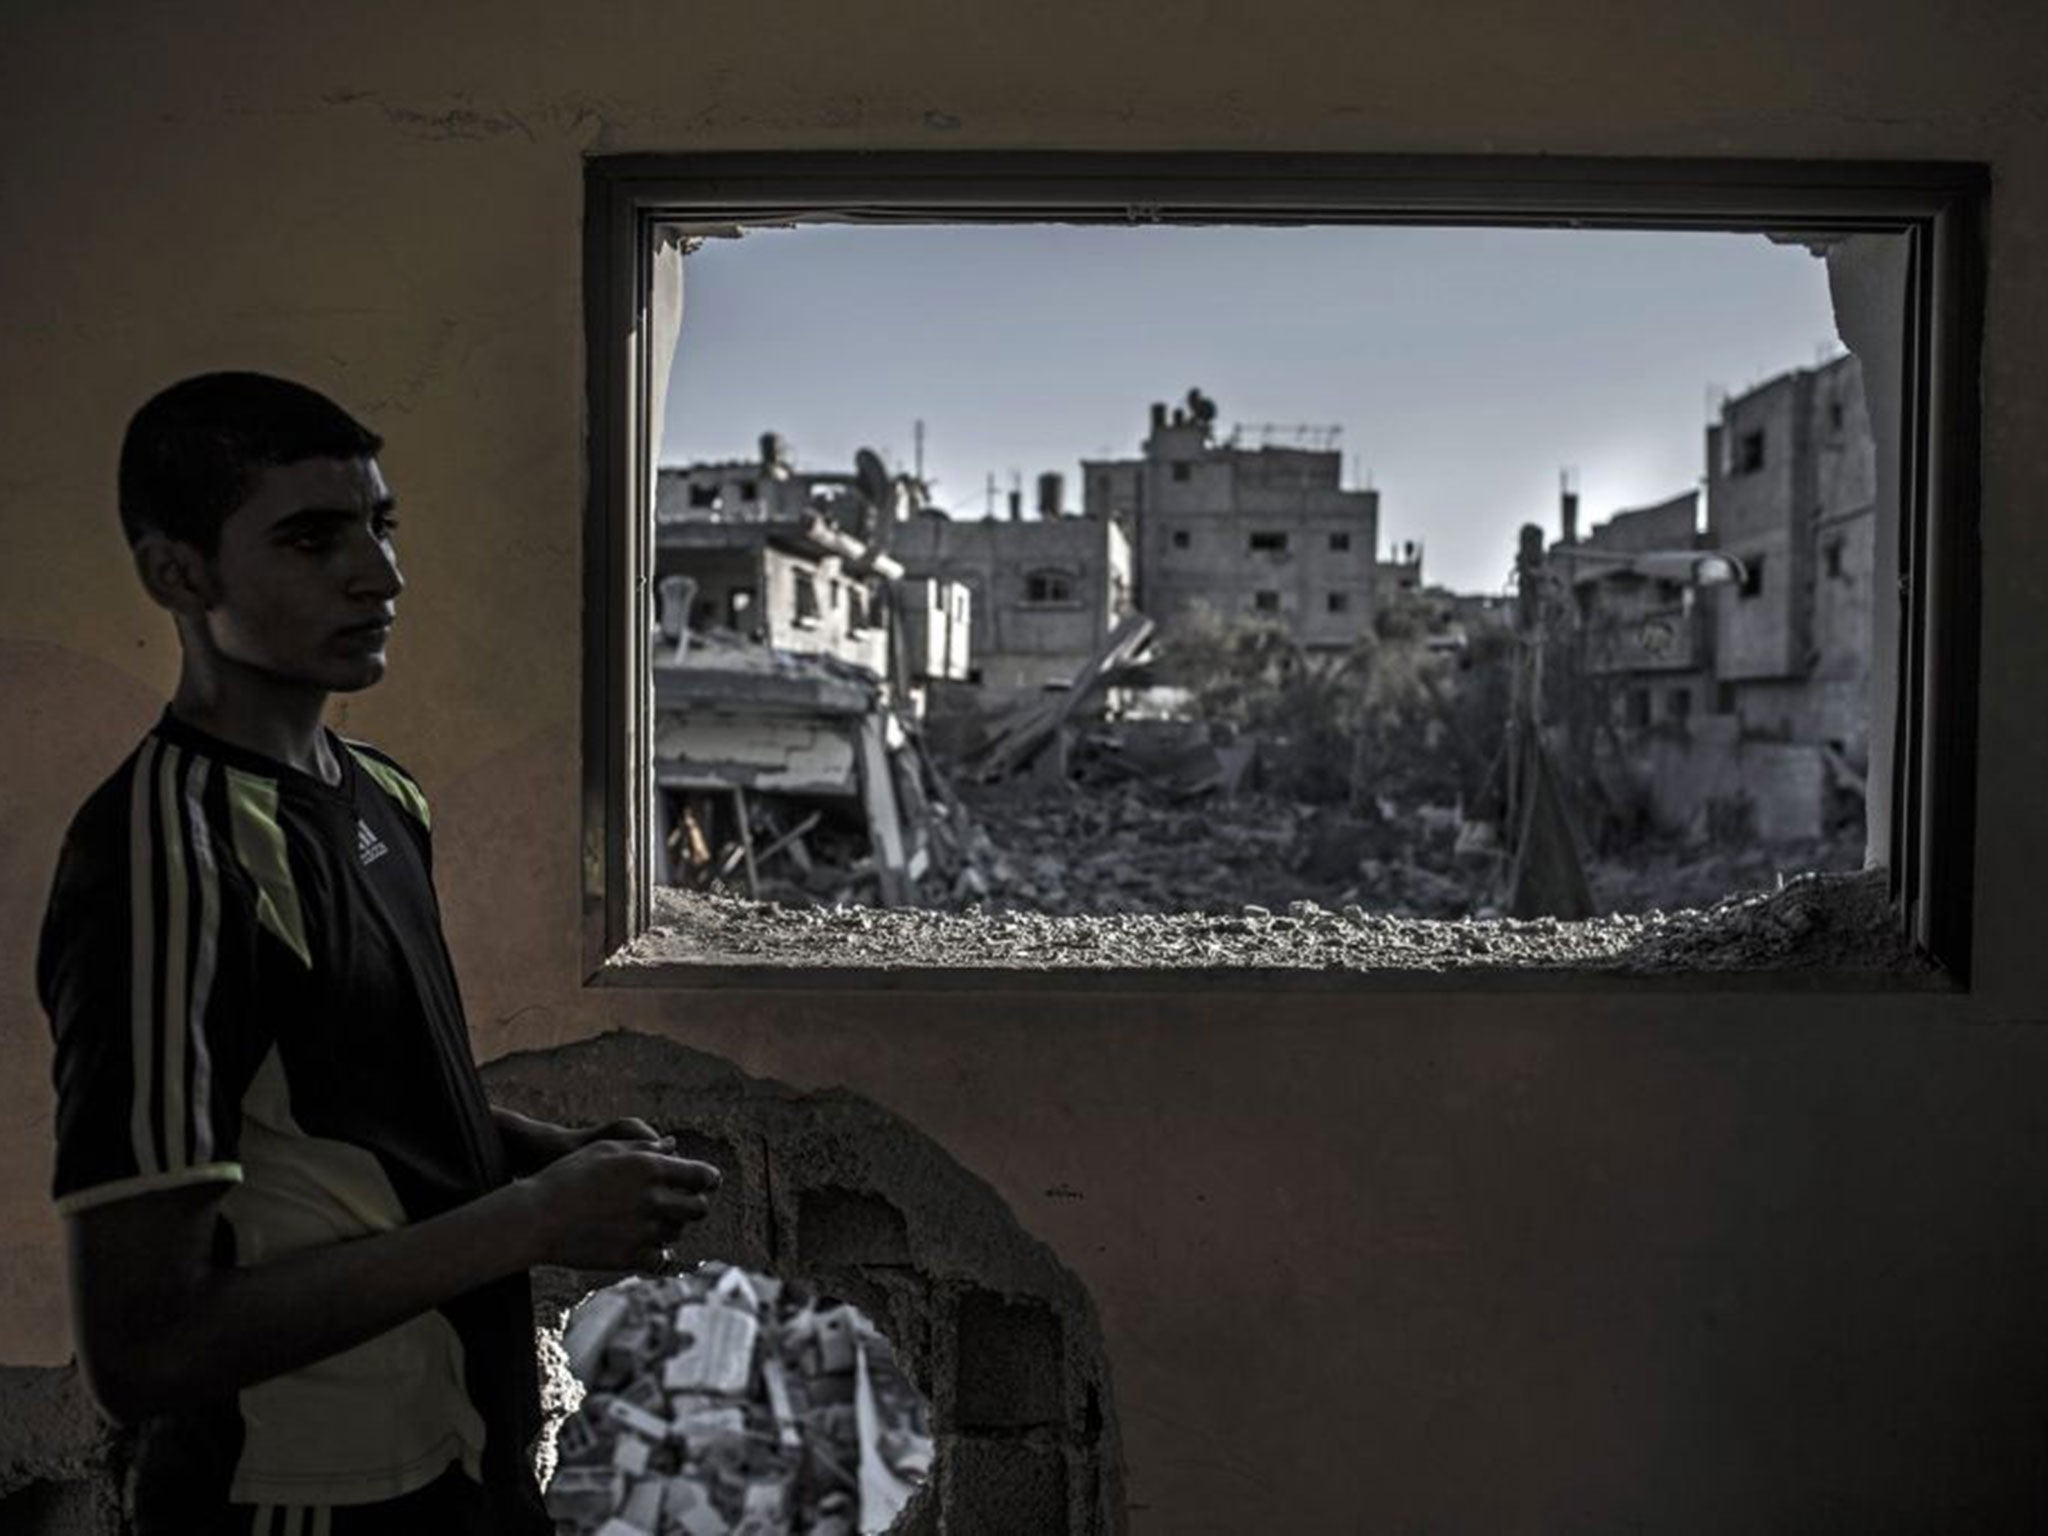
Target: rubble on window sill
x,y
1813,923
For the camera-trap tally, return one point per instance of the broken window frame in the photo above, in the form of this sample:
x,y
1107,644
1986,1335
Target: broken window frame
x,y
1937,206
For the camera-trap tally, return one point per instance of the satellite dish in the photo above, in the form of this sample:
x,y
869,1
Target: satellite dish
x,y
872,476
873,479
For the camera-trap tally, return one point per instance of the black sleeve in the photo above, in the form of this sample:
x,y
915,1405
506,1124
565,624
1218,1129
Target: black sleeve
x,y
145,970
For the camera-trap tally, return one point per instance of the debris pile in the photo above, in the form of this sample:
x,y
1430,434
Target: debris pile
x,y
1140,847
1816,922
726,1403
1128,839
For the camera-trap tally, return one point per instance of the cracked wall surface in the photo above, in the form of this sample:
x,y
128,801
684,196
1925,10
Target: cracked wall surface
x,y
1690,1261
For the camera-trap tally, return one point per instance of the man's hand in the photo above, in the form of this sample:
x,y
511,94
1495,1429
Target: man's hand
x,y
531,1145
617,1203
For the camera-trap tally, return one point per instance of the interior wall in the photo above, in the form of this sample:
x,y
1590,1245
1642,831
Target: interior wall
x,y
1486,1263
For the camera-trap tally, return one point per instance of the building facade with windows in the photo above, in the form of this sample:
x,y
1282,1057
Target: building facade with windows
x,y
1755,690
1243,530
1644,634
1043,593
1792,493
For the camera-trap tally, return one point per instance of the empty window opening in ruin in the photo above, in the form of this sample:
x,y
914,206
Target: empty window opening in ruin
x,y
1467,730
724,1399
1049,587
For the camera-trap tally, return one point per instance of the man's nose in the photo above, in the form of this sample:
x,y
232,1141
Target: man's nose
x,y
376,571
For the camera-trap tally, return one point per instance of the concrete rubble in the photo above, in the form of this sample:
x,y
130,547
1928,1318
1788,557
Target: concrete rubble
x,y
1830,923
725,1403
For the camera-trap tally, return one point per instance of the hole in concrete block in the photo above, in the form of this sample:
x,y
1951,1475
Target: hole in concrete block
x,y
1007,1369
844,1226
1004,1487
835,1193
726,1399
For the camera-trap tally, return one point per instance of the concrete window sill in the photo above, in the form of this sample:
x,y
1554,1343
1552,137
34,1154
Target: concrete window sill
x,y
1819,933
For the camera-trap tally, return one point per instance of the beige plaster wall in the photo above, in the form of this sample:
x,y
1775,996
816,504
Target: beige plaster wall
x,y
1483,1264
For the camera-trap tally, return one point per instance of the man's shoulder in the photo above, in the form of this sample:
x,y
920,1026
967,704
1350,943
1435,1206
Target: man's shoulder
x,y
105,820
393,778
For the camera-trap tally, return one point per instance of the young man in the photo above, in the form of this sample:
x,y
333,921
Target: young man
x,y
298,1234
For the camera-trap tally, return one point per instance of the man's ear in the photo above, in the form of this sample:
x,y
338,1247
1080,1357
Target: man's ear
x,y
175,574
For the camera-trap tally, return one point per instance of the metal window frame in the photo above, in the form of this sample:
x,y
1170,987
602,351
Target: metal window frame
x,y
1938,205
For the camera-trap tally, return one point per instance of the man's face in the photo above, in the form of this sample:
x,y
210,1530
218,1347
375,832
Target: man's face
x,y
306,583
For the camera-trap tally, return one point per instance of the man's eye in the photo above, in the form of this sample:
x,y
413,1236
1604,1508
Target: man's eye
x,y
311,543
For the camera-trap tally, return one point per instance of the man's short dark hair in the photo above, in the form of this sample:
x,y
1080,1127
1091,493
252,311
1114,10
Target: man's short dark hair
x,y
191,452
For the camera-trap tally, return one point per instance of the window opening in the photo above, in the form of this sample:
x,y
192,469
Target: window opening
x,y
1108,715
1049,587
1340,541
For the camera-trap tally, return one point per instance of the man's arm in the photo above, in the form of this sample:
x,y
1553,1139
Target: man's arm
x,y
161,1324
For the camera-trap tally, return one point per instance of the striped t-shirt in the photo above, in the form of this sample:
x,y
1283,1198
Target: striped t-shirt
x,y
247,984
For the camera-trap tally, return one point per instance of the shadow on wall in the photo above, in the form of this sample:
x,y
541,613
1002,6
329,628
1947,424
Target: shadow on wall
x,y
834,1192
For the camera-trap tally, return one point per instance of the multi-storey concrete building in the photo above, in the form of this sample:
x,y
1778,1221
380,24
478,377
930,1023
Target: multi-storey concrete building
x,y
1645,634
1765,679
1044,594
754,549
1791,492
1263,531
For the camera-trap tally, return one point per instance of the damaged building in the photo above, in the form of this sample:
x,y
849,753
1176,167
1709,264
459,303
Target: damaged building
x,y
1257,524
1042,595
1744,703
784,694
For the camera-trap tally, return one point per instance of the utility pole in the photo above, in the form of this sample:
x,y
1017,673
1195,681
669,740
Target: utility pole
x,y
1547,877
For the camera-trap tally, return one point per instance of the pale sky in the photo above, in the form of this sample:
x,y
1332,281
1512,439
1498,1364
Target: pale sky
x,y
1466,367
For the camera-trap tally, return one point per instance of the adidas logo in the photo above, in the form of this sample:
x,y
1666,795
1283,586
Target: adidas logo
x,y
369,846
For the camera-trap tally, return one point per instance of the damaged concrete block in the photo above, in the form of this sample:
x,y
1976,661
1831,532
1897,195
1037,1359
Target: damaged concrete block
x,y
1002,1487
849,1227
591,1329
1008,1367
835,1335
775,1378
643,1504
630,1455
687,1507
584,1494
715,1349
637,1419
699,1423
